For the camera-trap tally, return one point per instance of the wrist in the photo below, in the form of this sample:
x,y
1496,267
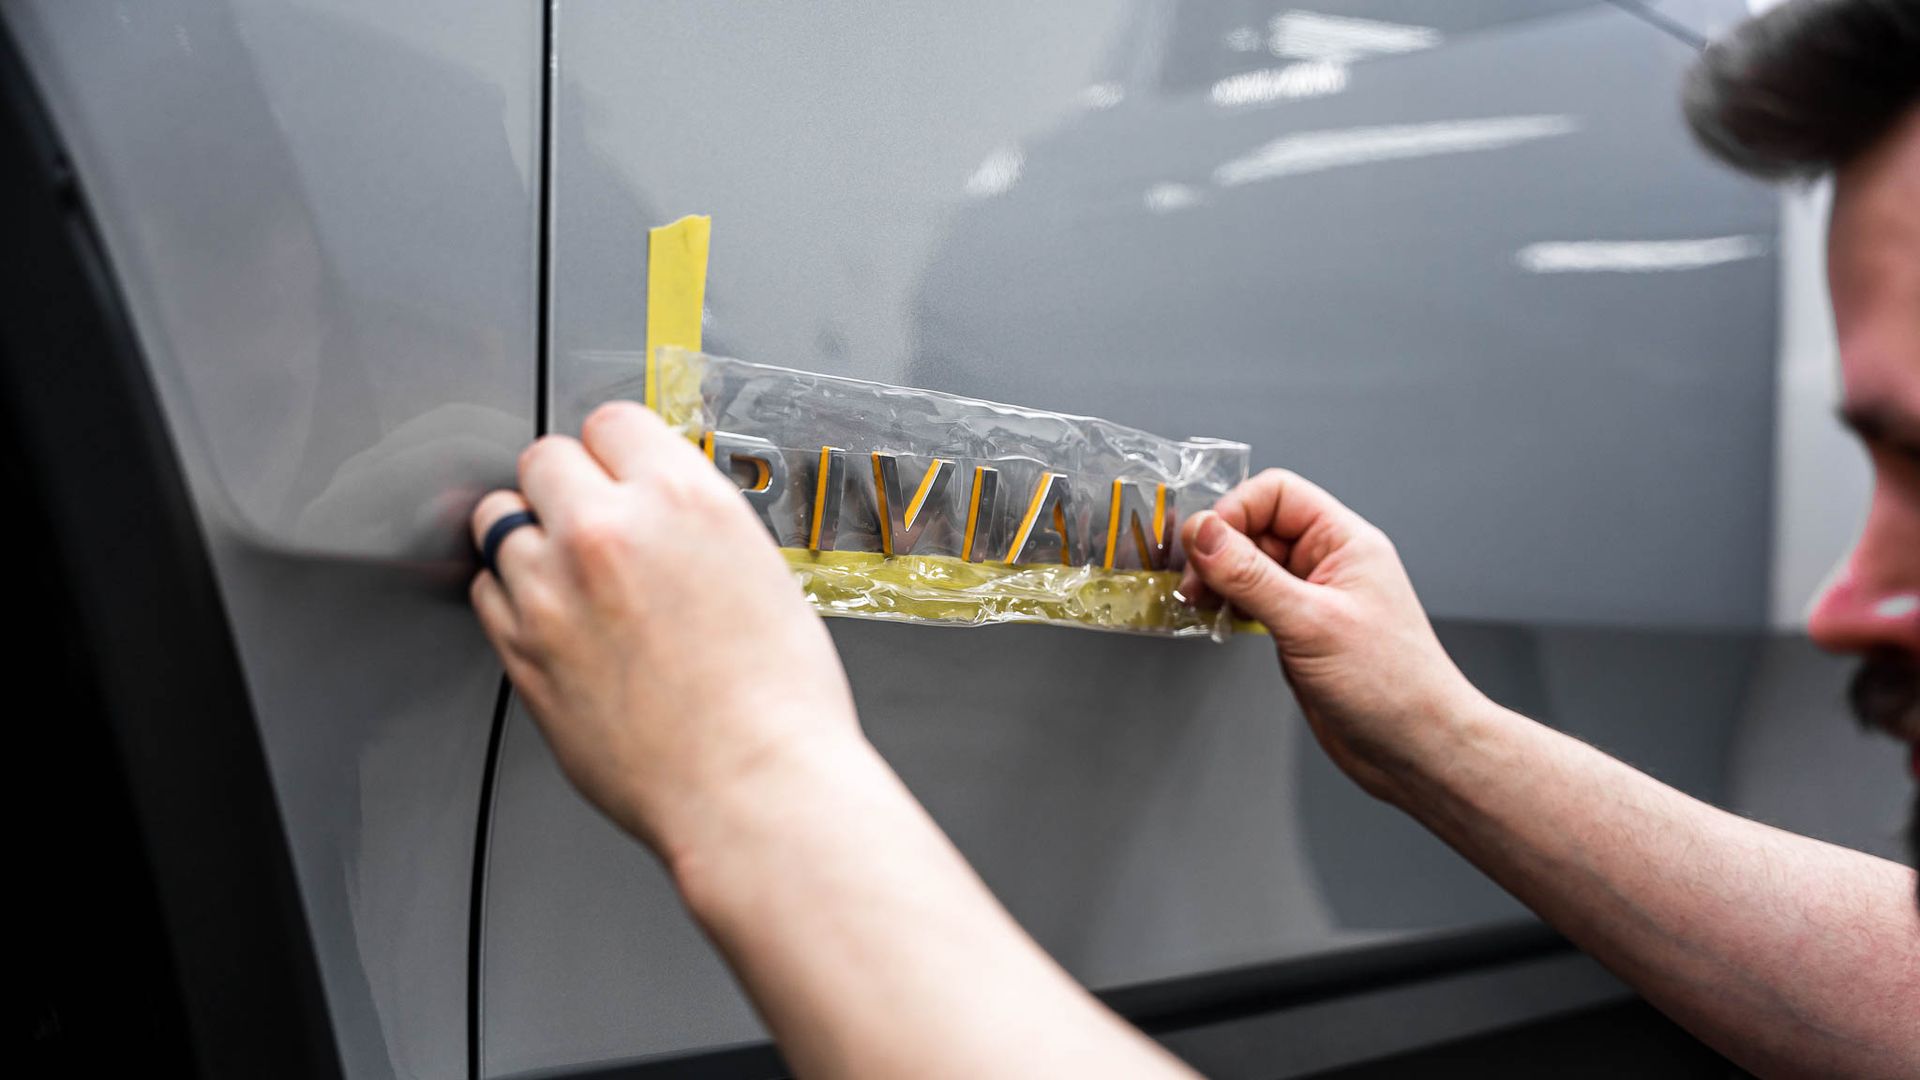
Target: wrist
x,y
1449,739
739,841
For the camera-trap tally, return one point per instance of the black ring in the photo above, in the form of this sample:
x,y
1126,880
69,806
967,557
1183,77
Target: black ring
x,y
497,533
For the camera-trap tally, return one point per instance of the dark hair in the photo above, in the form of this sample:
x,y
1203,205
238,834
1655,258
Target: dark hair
x,y
1806,87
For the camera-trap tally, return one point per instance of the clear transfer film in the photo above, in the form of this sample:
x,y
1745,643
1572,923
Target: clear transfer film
x,y
896,503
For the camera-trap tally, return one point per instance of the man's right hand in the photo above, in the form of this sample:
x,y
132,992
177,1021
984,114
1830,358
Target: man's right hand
x,y
1373,680
656,635
660,641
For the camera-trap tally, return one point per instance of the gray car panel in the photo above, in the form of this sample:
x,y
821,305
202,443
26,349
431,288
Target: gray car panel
x,y
1471,273
322,216
1459,261
1395,279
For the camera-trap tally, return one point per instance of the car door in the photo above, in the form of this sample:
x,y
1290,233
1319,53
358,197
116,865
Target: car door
x,y
321,220
1463,265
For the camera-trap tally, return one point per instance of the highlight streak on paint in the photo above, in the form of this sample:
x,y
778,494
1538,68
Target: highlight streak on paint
x,y
1636,256
1290,83
1315,151
997,174
1166,198
1309,35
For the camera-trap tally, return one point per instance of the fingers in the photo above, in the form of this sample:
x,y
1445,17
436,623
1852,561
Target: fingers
x,y
626,437
1194,590
495,609
1285,504
1276,548
559,478
1291,518
1232,566
515,550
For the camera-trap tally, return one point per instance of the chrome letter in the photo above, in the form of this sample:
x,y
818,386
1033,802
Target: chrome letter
x,y
724,448
1046,515
902,522
1151,530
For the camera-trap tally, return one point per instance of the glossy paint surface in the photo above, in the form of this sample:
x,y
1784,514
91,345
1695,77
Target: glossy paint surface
x,y
1481,287
322,217
1458,262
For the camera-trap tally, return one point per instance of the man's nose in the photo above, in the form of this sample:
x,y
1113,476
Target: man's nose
x,y
1859,612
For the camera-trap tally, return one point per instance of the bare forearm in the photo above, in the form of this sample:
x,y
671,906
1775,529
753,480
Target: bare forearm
x,y
1788,954
870,946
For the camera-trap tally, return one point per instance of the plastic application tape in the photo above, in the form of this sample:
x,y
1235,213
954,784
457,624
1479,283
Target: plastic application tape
x,y
914,505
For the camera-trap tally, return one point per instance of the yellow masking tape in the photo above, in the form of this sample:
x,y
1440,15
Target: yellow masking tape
x,y
935,588
942,588
676,293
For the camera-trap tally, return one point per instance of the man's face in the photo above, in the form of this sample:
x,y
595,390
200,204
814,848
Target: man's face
x,y
1873,271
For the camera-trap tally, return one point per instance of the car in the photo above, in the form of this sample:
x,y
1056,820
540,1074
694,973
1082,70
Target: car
x,y
294,282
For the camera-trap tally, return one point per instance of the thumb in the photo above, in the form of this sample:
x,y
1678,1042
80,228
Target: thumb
x,y
1235,568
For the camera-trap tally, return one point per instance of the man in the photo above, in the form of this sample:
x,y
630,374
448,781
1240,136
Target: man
x,y
869,946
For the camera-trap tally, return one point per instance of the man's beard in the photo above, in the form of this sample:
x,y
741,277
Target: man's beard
x,y
1913,846
1885,695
